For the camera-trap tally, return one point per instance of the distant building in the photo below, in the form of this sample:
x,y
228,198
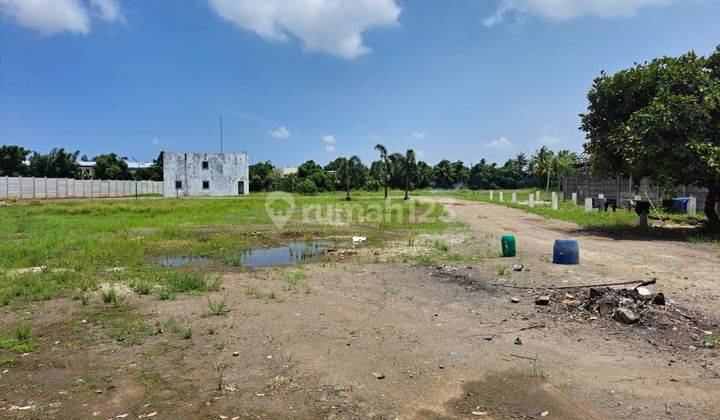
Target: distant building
x,y
284,171
88,167
205,174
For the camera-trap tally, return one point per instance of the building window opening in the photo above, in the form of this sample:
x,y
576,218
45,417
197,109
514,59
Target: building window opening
x,y
206,185
178,185
205,165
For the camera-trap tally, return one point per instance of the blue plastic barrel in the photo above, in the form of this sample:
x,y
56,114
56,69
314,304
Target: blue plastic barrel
x,y
566,251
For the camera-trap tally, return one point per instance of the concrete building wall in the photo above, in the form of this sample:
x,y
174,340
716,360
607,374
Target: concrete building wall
x,y
224,174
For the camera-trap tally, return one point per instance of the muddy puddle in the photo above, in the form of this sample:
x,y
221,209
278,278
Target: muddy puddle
x,y
292,253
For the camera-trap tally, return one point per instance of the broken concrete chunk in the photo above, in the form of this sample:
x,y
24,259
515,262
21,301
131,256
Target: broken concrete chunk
x,y
604,309
515,299
596,292
659,299
626,316
542,300
518,341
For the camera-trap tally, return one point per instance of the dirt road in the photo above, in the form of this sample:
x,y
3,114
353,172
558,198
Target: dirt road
x,y
387,340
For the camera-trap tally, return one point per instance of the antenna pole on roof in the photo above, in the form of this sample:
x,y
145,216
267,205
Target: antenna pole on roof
x,y
221,134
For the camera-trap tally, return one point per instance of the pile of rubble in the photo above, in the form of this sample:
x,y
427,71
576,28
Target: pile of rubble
x,y
623,305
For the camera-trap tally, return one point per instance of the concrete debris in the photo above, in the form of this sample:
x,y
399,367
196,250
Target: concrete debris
x,y
517,267
626,316
358,239
515,300
379,375
542,300
518,341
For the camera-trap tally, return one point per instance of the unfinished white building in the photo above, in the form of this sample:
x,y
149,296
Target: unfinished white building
x,y
205,174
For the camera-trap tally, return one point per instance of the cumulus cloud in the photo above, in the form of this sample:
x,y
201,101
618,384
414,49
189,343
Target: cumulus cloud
x,y
330,148
51,17
569,9
328,138
419,135
499,143
330,26
110,10
48,16
280,133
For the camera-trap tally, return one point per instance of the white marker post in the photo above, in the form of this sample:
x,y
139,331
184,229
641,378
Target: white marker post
x,y
692,207
501,196
574,198
491,195
554,200
531,200
588,204
513,197
537,195
601,196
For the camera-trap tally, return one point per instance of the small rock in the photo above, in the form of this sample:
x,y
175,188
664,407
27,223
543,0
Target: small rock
x,y
643,292
236,353
542,300
518,341
544,413
626,316
515,300
517,267
604,309
379,375
659,299
479,413
98,391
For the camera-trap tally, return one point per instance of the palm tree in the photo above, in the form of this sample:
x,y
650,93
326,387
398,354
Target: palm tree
x,y
541,164
384,156
409,166
349,170
562,165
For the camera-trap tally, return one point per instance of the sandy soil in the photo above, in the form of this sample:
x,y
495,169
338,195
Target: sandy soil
x,y
396,340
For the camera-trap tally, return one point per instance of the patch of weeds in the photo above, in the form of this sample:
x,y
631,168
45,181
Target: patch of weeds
x,y
165,294
121,325
220,345
141,287
188,334
389,290
253,292
211,330
712,341
112,296
218,307
145,380
501,270
77,382
180,282
411,240
294,280
173,326
219,368
83,297
441,246
213,285
19,340
162,349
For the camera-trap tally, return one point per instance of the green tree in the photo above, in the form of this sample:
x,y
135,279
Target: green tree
x,y
409,168
154,172
12,160
56,164
386,173
541,165
444,174
110,166
262,176
563,165
661,120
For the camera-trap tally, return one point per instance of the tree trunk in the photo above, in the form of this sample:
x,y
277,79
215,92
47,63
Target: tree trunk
x,y
407,188
347,191
547,185
386,178
712,198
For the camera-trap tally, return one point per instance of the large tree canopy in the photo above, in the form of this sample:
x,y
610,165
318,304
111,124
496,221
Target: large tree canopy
x,y
659,119
12,160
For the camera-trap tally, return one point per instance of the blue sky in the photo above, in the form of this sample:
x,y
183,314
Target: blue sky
x,y
317,79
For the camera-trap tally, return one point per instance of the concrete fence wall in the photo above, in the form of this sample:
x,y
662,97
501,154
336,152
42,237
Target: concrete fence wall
x,y
614,188
31,188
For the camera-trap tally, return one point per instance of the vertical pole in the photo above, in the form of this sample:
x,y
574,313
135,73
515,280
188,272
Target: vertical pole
x,y
531,200
501,196
574,198
513,197
554,200
588,204
491,195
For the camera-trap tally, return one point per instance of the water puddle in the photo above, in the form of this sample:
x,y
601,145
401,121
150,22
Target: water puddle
x,y
292,253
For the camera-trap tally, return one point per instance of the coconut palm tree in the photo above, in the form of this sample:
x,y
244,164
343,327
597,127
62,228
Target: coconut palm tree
x,y
562,165
408,166
349,170
384,156
541,164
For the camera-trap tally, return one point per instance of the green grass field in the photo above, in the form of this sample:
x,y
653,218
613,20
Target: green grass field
x,y
83,243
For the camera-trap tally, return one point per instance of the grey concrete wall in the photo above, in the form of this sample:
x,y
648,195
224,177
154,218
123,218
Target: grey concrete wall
x,y
31,188
224,172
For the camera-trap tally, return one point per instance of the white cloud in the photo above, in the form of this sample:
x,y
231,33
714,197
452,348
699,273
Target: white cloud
x,y
569,9
328,138
419,135
330,148
110,10
499,143
48,16
331,26
280,133
51,17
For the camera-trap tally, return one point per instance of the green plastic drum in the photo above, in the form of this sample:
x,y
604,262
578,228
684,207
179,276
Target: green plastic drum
x,y
508,245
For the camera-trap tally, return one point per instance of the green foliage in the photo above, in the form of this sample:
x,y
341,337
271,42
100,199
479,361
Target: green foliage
x,y
56,164
18,340
661,120
111,166
218,307
12,160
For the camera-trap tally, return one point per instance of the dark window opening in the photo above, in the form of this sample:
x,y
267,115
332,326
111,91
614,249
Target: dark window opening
x,y
178,185
241,187
206,165
206,185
